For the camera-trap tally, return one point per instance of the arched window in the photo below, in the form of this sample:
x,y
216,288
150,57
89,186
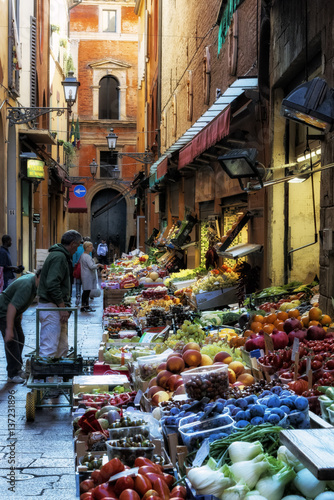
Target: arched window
x,y
109,98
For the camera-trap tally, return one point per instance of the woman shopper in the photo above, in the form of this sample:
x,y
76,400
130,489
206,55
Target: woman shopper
x,y
88,276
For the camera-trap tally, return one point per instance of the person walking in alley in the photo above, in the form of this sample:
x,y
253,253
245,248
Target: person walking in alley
x,y
6,261
102,252
54,291
88,275
13,302
75,259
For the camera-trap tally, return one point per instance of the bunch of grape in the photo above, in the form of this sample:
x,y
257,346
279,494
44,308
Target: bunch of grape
x,y
187,333
213,348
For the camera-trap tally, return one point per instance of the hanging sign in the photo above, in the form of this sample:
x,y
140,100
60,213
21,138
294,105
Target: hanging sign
x,y
35,169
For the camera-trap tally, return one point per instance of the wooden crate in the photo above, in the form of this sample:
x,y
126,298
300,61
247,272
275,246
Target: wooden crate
x,y
113,297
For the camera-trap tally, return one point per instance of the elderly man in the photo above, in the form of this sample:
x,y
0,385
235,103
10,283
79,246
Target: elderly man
x,y
13,302
55,291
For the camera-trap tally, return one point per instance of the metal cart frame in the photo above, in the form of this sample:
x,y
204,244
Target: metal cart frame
x,y
40,391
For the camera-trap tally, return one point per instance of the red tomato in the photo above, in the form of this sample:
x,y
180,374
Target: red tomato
x,y
149,468
86,496
153,476
96,477
103,490
86,485
161,487
153,497
169,479
142,461
111,468
177,498
129,495
142,484
124,483
179,491
150,493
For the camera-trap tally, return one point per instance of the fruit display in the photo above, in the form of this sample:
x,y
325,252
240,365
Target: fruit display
x,y
129,448
187,333
216,281
210,381
91,461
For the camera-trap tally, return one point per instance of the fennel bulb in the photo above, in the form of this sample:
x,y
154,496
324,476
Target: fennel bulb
x,y
236,492
207,481
326,495
293,497
240,451
308,484
255,495
288,458
249,471
272,487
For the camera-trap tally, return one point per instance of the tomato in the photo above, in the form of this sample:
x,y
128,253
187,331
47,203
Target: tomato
x,y
86,496
86,485
316,365
124,483
153,476
161,487
129,495
179,491
149,468
329,364
111,468
177,498
103,490
153,497
169,479
150,493
96,477
142,484
142,461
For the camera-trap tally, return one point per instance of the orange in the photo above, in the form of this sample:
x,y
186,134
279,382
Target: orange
x,y
314,323
268,328
271,318
282,315
326,320
259,318
247,333
256,326
279,324
315,313
305,320
293,313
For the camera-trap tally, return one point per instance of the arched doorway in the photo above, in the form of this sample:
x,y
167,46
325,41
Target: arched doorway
x,y
111,224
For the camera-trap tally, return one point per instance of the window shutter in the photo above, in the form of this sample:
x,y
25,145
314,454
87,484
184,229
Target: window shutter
x,y
33,79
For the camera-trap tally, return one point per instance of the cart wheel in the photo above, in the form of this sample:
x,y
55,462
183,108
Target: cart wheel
x,y
30,407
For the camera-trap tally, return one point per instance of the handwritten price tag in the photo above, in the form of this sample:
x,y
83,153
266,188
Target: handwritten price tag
x,y
268,341
295,348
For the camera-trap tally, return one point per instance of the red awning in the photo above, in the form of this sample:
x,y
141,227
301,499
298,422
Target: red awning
x,y
76,205
162,168
218,128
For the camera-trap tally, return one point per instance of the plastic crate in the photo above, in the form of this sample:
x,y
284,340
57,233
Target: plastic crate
x,y
63,366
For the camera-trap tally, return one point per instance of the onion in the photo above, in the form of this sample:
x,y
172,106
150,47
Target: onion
x,y
292,324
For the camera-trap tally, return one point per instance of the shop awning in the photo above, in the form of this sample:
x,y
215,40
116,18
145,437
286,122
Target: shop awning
x,y
39,136
76,205
217,108
162,168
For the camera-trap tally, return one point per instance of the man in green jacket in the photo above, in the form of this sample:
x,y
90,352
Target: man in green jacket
x,y
17,297
54,291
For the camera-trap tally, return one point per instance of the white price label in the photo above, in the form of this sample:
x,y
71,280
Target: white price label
x,y
295,348
202,453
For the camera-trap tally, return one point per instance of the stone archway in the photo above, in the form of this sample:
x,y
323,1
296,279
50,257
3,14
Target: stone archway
x,y
128,203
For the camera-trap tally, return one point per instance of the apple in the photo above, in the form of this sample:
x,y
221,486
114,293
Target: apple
x,y
174,382
175,364
162,378
191,346
223,356
192,357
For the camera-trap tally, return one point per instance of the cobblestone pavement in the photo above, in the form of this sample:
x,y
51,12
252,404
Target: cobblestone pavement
x,y
40,459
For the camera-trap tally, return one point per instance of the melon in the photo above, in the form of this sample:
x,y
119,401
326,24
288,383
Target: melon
x,y
148,280
154,276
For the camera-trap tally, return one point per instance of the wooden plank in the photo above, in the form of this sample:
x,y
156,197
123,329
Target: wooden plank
x,y
314,448
318,422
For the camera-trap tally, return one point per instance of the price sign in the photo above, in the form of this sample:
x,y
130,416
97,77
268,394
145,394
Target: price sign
x,y
295,348
202,453
268,342
296,365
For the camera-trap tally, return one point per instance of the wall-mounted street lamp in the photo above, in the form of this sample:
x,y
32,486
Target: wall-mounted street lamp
x,y
312,104
241,164
17,116
145,158
93,168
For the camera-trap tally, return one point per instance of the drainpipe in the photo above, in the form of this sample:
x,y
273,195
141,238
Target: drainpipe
x,y
159,76
287,257
264,50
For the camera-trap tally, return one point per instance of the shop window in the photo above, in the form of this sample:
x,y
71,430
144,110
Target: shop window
x,y
109,98
108,160
109,21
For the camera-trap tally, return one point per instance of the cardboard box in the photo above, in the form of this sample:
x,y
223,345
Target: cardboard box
x,y
113,297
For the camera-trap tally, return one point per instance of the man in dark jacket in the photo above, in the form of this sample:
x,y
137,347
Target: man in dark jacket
x,y
54,291
13,302
6,261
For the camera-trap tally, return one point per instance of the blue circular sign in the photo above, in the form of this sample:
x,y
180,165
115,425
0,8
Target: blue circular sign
x,y
80,191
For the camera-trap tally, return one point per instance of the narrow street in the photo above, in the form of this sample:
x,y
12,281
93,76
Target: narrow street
x,y
44,455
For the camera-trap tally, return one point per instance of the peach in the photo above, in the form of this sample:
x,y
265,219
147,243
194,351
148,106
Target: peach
x,y
231,376
238,384
159,397
175,364
180,390
206,360
224,357
237,367
246,379
191,346
153,390
192,357
161,367
152,382
177,354
162,378
174,382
